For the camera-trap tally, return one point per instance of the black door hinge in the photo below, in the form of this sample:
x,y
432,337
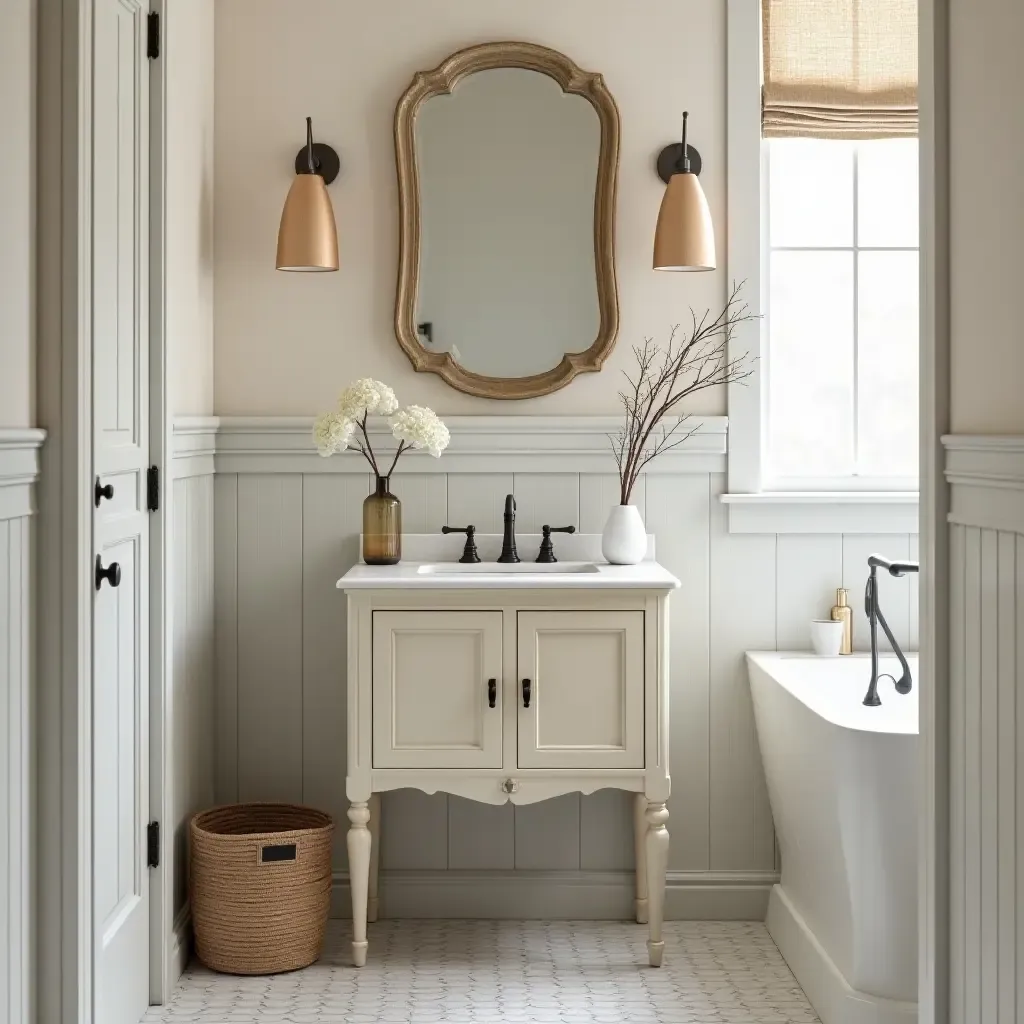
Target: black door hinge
x,y
153,35
153,844
152,488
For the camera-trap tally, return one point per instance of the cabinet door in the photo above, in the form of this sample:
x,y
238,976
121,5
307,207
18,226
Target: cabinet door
x,y
586,680
432,675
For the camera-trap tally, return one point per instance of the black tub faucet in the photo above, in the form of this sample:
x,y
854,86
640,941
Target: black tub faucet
x,y
508,543
875,616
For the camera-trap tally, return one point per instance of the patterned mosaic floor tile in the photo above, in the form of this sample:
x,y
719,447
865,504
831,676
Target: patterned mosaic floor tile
x,y
512,972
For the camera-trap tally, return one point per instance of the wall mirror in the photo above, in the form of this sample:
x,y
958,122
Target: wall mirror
x,y
507,157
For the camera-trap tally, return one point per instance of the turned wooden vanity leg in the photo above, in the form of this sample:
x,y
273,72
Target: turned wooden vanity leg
x,y
372,905
359,844
640,846
657,865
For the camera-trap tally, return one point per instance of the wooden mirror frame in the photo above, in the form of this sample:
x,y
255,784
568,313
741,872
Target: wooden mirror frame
x,y
441,81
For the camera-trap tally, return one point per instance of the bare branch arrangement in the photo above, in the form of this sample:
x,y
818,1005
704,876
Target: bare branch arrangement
x,y
692,361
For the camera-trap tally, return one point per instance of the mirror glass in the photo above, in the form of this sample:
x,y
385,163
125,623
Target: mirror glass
x,y
508,167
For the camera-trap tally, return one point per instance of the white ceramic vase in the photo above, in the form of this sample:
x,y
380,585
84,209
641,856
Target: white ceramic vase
x,y
624,540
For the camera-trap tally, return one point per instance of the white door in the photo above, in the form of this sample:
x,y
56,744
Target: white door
x,y
437,689
120,372
581,682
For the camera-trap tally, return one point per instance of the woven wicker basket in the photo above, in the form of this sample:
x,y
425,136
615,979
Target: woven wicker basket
x,y
260,886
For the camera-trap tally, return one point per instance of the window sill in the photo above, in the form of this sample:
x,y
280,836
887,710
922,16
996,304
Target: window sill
x,y
823,512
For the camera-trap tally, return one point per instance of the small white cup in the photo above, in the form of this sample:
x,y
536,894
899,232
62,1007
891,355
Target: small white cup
x,y
826,637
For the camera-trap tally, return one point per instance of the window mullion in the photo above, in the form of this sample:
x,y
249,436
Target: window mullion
x,y
845,248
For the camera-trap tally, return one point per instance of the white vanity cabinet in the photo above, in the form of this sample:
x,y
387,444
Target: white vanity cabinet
x,y
434,674
585,671
499,689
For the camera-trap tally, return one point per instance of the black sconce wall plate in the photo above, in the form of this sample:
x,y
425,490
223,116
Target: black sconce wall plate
x,y
325,161
669,160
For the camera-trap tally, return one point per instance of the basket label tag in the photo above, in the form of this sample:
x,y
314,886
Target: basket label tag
x,y
282,851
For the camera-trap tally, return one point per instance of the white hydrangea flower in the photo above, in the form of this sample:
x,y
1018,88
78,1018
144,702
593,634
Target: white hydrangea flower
x,y
332,433
420,427
413,427
367,396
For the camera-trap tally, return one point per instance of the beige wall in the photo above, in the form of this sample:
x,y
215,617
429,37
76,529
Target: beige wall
x,y
987,215
188,46
286,343
17,212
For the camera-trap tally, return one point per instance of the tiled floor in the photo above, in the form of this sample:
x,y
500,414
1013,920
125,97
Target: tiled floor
x,y
471,972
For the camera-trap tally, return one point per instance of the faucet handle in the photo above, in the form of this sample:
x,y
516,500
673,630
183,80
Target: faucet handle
x,y
547,549
469,553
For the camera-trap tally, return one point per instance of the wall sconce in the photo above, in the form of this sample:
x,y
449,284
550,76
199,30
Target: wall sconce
x,y
308,237
685,237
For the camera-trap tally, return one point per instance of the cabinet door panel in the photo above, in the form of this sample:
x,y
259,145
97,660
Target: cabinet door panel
x,y
586,672
431,672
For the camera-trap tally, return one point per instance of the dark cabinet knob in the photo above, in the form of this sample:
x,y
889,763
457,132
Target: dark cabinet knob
x,y
527,690
102,491
112,573
492,693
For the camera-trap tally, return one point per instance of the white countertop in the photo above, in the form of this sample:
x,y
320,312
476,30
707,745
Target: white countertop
x,y
425,553
648,575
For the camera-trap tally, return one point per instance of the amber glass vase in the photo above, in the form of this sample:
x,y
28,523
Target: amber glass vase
x,y
382,526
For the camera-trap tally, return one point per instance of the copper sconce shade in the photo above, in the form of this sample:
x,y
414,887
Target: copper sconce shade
x,y
307,239
685,236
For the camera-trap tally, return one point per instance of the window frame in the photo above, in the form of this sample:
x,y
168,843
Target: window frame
x,y
855,506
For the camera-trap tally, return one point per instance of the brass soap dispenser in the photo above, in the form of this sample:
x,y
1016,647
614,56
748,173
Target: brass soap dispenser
x,y
842,612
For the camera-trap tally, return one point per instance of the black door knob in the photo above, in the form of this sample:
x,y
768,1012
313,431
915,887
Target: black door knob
x,y
112,573
492,693
102,492
526,693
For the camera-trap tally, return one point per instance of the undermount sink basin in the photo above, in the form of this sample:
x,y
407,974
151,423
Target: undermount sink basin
x,y
504,568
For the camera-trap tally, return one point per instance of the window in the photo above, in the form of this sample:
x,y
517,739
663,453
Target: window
x,y
822,227
840,304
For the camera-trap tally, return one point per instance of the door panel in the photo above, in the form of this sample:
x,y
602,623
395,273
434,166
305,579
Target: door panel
x,y
586,672
119,802
120,389
117,216
431,676
116,709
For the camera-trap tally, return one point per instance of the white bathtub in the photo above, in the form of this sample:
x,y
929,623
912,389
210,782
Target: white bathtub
x,y
842,779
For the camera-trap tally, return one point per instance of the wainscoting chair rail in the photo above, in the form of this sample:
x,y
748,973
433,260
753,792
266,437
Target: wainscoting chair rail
x,y
524,443
19,469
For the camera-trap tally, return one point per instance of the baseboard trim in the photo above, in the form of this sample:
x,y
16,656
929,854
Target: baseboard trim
x,y
181,943
833,998
718,895
560,895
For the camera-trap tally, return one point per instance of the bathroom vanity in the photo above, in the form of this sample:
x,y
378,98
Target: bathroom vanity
x,y
508,683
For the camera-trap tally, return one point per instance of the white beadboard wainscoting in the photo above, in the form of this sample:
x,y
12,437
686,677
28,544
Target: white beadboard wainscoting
x,y
191,707
19,470
286,525
986,771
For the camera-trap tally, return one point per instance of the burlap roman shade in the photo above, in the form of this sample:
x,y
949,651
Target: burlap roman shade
x,y
840,69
